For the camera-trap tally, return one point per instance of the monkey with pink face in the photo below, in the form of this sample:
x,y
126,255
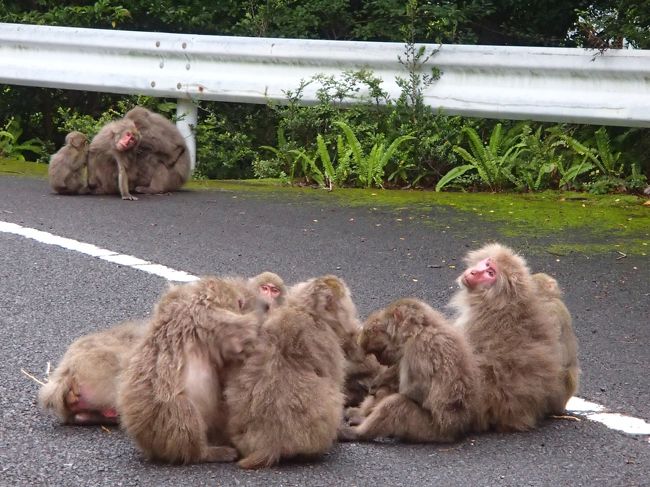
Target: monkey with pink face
x,y
514,339
112,158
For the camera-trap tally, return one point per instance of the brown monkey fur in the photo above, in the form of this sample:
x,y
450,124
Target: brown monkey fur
x,y
112,159
83,387
438,377
383,380
170,395
383,383
66,169
163,159
550,292
286,400
360,372
514,341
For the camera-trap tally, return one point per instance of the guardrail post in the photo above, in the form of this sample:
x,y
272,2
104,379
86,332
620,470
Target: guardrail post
x,y
187,113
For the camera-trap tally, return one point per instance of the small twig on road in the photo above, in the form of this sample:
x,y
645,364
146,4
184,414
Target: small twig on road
x,y
32,377
622,256
106,430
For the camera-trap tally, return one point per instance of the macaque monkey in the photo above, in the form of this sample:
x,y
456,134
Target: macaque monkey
x,y
270,287
550,293
66,169
82,388
112,159
170,393
513,337
286,399
437,374
163,159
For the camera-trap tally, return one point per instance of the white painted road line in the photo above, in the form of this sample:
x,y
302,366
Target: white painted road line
x,y
615,421
98,252
576,405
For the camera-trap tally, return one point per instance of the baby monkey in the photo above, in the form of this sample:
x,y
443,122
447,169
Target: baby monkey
x,y
66,171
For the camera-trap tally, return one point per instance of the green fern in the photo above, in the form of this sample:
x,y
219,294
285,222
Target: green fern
x,y
492,163
370,168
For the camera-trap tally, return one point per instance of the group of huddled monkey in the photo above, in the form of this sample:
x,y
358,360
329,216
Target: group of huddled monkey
x,y
142,153
231,368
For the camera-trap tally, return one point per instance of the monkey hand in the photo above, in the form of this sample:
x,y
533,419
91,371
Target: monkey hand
x,y
347,433
353,416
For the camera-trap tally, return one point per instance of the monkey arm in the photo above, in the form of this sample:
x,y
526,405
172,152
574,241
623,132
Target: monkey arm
x,y
387,378
123,178
416,370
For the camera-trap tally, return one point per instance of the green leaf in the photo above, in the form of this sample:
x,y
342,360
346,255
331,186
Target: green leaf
x,y
393,147
353,142
325,158
454,173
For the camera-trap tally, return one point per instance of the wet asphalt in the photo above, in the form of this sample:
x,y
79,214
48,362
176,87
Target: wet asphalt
x,y
49,296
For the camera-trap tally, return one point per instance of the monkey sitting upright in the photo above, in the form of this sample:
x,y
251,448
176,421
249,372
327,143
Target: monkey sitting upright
x,y
437,374
286,398
66,169
549,290
112,159
170,393
514,338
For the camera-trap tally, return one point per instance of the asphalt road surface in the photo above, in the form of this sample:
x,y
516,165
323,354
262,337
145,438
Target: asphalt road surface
x,y
50,295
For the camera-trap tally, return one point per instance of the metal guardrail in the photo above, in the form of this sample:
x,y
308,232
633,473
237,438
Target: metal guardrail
x,y
544,84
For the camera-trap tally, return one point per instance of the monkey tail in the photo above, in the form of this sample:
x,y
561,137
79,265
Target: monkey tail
x,y
259,459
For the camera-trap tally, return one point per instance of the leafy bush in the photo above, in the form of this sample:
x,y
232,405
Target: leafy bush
x,y
494,162
309,144
221,151
10,145
370,167
609,172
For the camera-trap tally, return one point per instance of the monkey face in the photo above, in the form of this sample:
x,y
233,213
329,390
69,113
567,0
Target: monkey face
x,y
127,140
482,275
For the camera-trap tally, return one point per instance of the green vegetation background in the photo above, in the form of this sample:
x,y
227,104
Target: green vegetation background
x,y
521,175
